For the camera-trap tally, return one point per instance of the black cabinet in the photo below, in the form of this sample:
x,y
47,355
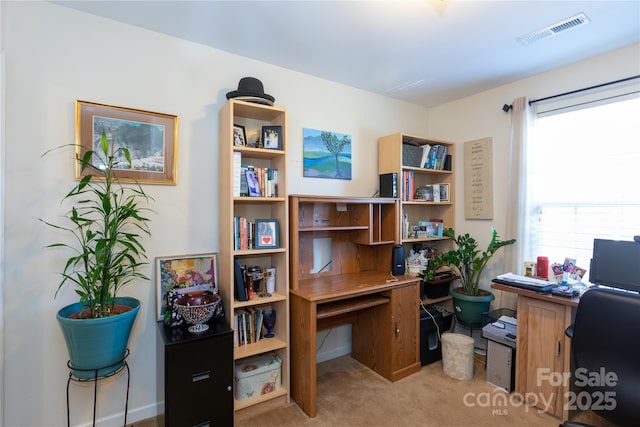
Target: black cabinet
x,y
198,376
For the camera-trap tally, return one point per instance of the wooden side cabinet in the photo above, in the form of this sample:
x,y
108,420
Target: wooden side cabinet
x,y
393,329
198,376
543,353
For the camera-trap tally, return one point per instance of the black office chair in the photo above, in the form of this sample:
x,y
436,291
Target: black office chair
x,y
606,342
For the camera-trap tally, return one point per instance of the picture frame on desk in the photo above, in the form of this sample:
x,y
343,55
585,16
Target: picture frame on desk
x,y
267,233
272,137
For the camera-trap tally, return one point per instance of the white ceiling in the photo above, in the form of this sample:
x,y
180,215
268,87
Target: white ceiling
x,y
425,52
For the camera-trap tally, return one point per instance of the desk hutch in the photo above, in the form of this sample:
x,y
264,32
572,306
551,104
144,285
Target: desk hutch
x,y
353,285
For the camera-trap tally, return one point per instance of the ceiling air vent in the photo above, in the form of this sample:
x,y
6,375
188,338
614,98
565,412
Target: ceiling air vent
x,y
553,29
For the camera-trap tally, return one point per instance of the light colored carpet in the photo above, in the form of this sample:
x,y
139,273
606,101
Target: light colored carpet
x,y
349,394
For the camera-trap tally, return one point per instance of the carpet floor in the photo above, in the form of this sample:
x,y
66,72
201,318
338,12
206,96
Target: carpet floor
x,y
349,394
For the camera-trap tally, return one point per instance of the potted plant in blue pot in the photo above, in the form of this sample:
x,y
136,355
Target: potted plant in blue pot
x,y
467,262
107,222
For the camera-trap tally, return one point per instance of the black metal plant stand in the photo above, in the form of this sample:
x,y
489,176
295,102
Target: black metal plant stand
x,y
95,379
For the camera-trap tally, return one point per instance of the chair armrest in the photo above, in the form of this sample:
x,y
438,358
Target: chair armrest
x,y
569,331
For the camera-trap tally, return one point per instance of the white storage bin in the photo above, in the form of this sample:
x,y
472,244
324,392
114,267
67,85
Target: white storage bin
x,y
257,375
457,355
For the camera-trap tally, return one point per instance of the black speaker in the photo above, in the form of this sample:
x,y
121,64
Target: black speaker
x,y
397,260
389,185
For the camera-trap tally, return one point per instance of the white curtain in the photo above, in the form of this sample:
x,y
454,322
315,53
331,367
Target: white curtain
x,y
518,206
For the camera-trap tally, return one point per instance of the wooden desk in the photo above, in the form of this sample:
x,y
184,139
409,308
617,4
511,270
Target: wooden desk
x,y
385,326
542,348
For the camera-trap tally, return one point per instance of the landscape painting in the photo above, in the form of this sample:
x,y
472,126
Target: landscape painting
x,y
326,154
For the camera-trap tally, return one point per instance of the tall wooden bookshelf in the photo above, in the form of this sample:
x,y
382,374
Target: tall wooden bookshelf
x,y
252,117
399,153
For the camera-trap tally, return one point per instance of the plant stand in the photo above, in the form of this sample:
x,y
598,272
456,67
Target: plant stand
x,y
95,379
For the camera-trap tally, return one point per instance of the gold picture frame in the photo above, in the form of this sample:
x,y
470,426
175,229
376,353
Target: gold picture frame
x,y
152,140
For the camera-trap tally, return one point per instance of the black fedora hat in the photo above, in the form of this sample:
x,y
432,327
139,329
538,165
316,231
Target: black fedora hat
x,y
250,89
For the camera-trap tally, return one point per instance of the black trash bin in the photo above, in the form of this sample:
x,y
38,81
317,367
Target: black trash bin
x,y
430,346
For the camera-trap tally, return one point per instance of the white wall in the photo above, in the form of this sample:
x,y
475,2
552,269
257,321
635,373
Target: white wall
x,y
56,55
481,116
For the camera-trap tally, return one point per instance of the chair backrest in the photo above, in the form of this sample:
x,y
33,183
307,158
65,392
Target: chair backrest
x,y
606,352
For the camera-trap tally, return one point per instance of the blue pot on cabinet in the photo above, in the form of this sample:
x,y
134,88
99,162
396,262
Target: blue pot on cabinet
x,y
99,343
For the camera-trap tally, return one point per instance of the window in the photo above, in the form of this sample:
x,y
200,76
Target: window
x,y
584,179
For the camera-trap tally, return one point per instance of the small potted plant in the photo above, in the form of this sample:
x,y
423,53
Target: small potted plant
x,y
467,262
107,223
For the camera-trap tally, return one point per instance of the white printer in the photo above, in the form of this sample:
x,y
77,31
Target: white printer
x,y
502,331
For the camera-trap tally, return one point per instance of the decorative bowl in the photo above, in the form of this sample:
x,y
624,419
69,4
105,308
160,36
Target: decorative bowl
x,y
197,310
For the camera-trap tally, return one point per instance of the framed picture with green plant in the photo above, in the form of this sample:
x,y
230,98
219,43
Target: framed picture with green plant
x,y
151,138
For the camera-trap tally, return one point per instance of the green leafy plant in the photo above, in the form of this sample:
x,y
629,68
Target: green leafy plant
x,y
465,260
108,223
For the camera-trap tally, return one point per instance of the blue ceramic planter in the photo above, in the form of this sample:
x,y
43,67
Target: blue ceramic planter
x,y
97,343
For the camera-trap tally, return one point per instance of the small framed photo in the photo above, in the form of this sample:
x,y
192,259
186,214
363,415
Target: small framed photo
x,y
424,193
272,137
239,135
445,196
252,183
267,232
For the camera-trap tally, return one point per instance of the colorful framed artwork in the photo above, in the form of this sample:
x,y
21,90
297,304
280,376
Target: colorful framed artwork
x,y
152,140
183,273
266,234
272,137
326,154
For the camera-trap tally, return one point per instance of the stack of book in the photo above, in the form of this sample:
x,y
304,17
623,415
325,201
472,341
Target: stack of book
x,y
253,181
434,156
243,232
248,326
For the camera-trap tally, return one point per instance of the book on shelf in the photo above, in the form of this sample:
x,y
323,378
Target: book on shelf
x,y
237,173
240,285
426,148
248,326
253,182
408,186
262,181
244,187
437,158
258,324
243,232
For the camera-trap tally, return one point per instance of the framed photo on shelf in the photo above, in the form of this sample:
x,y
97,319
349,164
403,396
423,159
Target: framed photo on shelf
x,y
272,137
239,135
266,234
176,275
152,140
252,183
445,196
424,193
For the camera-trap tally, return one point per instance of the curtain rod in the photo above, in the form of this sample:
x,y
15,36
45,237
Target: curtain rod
x,y
507,107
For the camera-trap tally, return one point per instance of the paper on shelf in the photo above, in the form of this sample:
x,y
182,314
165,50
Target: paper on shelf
x,y
237,161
